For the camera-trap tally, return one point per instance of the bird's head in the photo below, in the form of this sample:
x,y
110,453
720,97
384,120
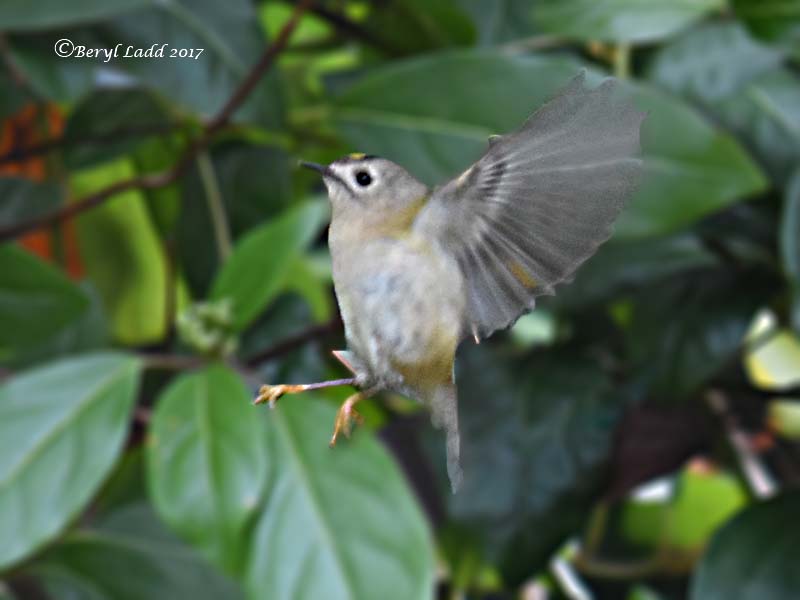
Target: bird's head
x,y
371,190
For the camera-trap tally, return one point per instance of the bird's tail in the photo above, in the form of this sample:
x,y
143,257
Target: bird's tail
x,y
444,415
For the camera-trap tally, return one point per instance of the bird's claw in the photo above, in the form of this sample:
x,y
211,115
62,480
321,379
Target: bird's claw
x,y
344,421
270,394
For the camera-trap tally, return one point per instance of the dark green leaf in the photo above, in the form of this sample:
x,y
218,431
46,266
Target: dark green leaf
x,y
61,429
535,434
626,265
500,21
36,301
66,79
682,333
337,524
743,84
231,39
100,127
620,20
13,97
408,113
255,185
49,14
123,256
754,556
774,20
23,199
417,25
790,230
208,463
256,271
767,113
129,556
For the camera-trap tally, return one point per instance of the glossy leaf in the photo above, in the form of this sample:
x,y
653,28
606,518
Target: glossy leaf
x,y
123,256
36,301
500,21
49,14
256,271
711,62
408,113
129,555
336,524
416,25
754,556
620,20
750,92
61,430
208,463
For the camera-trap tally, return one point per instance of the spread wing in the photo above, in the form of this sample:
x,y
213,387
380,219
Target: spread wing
x,y
538,203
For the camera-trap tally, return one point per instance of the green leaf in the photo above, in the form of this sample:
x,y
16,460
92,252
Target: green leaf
x,y
24,199
208,463
773,20
742,83
620,20
128,556
535,433
123,256
623,266
231,39
408,113
255,184
337,524
499,21
417,25
711,62
256,271
36,301
19,15
61,429
790,230
754,556
106,115
682,333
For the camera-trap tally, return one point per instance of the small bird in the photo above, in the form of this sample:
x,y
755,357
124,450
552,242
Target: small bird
x,y
417,270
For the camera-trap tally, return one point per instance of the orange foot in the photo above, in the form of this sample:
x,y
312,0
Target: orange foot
x,y
271,393
345,417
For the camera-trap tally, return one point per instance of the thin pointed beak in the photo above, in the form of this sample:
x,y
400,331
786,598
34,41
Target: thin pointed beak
x,y
321,169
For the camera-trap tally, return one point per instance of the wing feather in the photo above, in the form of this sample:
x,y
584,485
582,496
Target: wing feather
x,y
538,203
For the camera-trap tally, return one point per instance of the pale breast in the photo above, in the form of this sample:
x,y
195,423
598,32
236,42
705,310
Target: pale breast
x,y
402,304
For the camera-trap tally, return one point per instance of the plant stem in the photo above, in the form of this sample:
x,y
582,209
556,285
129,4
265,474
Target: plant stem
x,y
216,206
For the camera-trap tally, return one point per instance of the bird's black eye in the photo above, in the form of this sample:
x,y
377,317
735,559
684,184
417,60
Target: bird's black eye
x,y
363,179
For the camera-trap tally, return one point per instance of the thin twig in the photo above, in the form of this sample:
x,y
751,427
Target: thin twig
x,y
169,176
347,27
291,343
216,206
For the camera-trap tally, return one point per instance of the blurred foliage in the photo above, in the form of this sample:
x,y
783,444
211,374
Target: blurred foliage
x,y
637,437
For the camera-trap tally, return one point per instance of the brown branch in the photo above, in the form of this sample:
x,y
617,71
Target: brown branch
x,y
342,24
295,341
26,152
169,176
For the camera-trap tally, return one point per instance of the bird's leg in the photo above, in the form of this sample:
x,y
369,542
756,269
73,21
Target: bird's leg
x,y
271,393
347,414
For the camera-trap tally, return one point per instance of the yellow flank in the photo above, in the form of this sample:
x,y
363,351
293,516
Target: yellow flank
x,y
437,365
521,275
358,156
